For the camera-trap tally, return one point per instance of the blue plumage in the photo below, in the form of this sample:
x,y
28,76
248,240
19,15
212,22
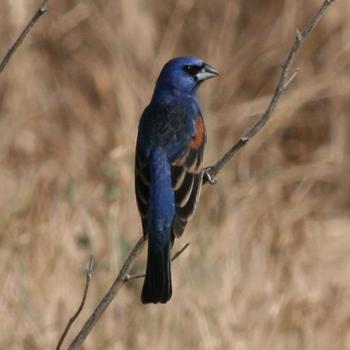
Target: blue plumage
x,y
168,166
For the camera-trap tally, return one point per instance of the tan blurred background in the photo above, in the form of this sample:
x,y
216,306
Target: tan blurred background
x,y
268,266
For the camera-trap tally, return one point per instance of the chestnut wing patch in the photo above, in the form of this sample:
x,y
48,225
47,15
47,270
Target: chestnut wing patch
x,y
187,176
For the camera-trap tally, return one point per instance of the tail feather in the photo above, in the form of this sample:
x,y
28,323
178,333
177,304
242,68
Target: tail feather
x,y
157,285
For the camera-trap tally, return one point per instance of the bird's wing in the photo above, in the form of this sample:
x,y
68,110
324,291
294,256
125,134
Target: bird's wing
x,y
142,181
187,176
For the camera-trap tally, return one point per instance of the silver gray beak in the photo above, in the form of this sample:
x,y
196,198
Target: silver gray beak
x,y
207,72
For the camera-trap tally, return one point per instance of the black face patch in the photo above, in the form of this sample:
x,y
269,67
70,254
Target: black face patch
x,y
193,69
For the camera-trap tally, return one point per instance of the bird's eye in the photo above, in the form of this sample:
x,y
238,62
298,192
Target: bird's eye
x,y
192,70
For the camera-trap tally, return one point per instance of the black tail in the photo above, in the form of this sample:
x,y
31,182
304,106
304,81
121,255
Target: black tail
x,y
157,285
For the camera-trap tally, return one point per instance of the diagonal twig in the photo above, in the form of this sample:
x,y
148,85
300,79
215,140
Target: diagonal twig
x,y
211,173
107,299
82,303
10,52
178,253
141,275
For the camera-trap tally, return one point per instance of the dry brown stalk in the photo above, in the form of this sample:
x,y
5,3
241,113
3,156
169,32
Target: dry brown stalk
x,y
82,303
10,52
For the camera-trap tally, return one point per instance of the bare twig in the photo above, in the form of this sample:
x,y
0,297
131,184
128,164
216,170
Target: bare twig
x,y
39,12
107,299
211,173
122,278
82,303
178,253
141,275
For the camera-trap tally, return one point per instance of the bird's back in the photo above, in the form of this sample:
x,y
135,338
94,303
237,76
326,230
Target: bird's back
x,y
169,125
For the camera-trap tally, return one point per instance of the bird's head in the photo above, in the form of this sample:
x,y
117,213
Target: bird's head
x,y
183,75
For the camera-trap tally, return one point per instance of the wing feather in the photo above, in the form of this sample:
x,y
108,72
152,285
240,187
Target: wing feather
x,y
142,181
187,177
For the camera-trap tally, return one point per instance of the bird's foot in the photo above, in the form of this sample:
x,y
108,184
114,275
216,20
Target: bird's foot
x,y
208,176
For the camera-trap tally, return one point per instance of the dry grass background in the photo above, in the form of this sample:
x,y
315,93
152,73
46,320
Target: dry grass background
x,y
268,267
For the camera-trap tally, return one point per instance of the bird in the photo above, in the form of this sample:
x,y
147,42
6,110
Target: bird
x,y
168,166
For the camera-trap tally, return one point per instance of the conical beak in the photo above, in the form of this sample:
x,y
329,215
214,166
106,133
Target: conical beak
x,y
207,72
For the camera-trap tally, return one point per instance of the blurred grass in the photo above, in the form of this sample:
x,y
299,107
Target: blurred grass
x,y
268,267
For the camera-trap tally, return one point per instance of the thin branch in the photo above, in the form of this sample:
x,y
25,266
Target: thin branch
x,y
107,299
122,278
141,275
210,175
82,303
39,12
178,253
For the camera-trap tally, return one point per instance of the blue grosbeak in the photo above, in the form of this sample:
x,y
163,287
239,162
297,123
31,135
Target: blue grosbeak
x,y
168,166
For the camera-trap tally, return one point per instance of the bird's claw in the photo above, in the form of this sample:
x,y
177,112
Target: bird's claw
x,y
208,177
